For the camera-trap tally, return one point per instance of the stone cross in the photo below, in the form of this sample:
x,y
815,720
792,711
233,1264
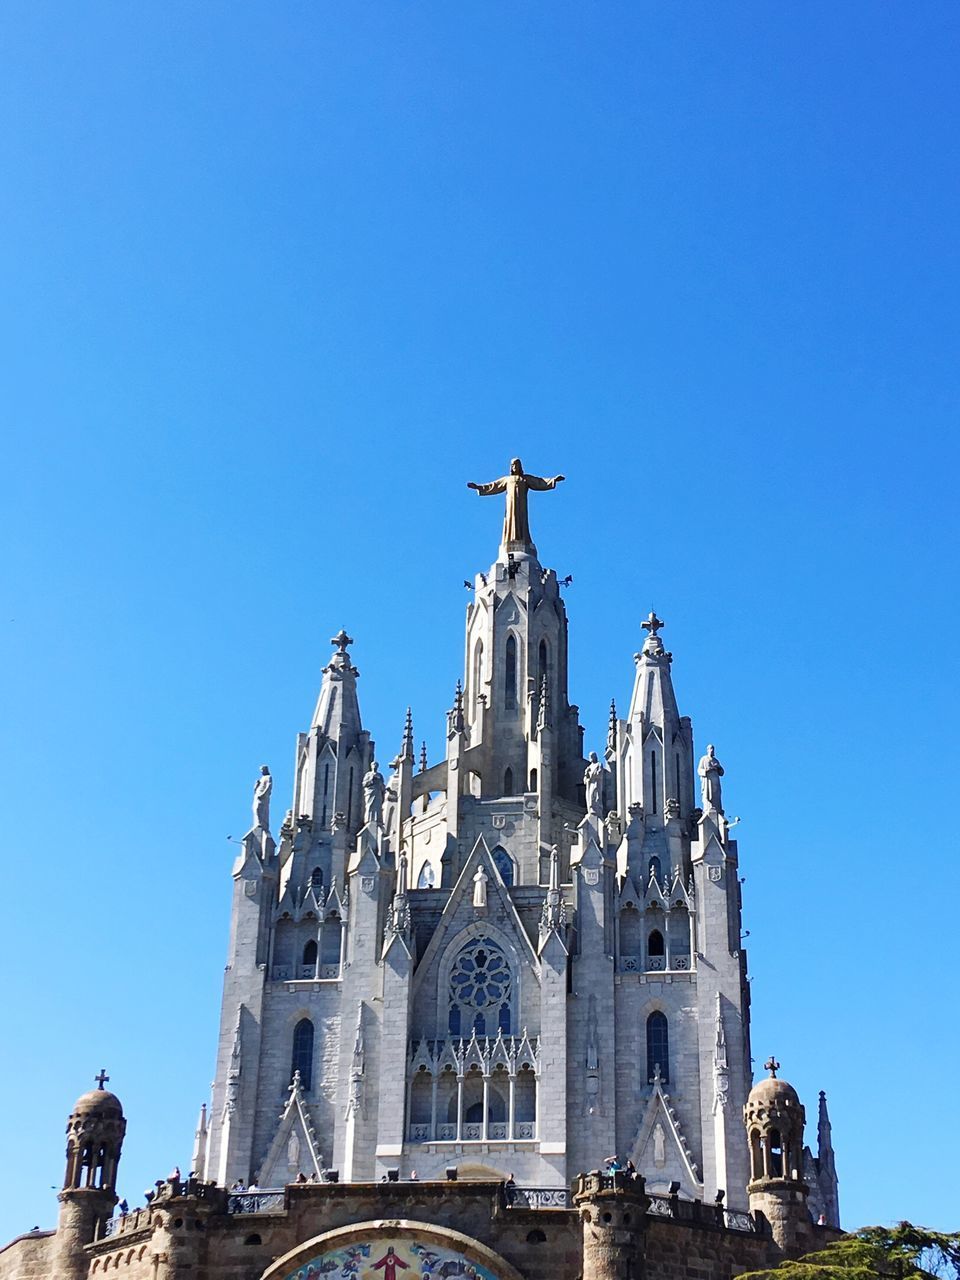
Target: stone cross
x,y
772,1065
341,640
102,1078
652,623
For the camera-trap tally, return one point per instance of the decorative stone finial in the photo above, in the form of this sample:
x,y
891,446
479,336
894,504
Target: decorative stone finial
x,y
772,1065
652,623
341,640
102,1078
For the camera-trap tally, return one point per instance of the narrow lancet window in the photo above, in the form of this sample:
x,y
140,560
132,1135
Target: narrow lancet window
x,y
653,782
302,1059
510,676
658,1047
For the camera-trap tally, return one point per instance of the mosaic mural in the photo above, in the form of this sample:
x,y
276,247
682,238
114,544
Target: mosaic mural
x,y
391,1258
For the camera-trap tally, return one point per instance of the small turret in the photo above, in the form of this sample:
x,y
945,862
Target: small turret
x,y
95,1133
774,1118
613,1208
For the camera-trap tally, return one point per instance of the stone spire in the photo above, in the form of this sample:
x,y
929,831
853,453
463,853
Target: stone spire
x,y
406,748
658,752
826,1165
338,709
199,1161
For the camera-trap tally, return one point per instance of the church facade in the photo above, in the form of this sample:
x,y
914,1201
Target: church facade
x,y
455,988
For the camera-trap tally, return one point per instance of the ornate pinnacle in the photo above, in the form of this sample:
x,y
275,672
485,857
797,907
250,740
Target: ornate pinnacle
x,y
612,727
406,750
457,722
423,757
772,1065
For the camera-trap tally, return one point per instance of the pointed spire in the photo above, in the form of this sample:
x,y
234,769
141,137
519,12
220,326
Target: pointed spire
x,y
456,721
337,707
612,727
406,749
199,1161
423,757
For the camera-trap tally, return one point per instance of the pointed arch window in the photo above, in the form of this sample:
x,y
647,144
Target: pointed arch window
x,y
653,868
427,878
658,1046
302,1058
310,953
655,943
316,878
543,666
508,782
653,782
504,864
510,675
481,990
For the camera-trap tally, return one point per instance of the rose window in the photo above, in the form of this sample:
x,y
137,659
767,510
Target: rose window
x,y
480,988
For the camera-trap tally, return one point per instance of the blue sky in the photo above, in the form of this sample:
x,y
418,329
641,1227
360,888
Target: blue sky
x,y
275,281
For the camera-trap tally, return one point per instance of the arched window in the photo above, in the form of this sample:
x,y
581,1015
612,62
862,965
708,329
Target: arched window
x,y
310,955
508,782
533,779
776,1154
543,666
302,1059
655,943
316,878
510,676
658,1046
477,670
427,878
504,864
653,868
481,990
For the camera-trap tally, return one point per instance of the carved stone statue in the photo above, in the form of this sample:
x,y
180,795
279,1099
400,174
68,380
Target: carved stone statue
x,y
261,799
374,789
593,782
516,485
711,771
480,887
659,1146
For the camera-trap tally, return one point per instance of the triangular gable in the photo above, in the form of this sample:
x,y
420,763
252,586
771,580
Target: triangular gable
x,y
458,911
660,1150
294,1147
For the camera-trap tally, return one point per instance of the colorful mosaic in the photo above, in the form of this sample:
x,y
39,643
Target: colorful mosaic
x,y
391,1258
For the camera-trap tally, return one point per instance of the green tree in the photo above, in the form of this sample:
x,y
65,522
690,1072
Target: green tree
x,y
903,1252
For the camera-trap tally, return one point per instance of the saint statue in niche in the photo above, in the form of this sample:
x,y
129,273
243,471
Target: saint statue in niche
x,y
480,887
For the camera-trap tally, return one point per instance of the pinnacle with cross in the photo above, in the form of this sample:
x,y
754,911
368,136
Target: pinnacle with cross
x,y
772,1065
341,640
102,1078
652,623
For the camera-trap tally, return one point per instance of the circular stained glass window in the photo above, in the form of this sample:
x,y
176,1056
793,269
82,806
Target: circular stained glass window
x,y
480,977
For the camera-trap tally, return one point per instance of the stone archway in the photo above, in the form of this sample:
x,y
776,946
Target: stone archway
x,y
392,1249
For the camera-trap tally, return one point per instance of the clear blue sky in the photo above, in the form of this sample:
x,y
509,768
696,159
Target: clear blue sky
x,y
275,281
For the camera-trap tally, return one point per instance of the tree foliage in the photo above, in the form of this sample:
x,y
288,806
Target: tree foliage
x,y
903,1252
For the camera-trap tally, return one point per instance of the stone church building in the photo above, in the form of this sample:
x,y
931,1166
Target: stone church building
x,y
486,1015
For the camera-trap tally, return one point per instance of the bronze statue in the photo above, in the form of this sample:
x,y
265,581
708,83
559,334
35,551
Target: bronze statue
x,y
516,526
